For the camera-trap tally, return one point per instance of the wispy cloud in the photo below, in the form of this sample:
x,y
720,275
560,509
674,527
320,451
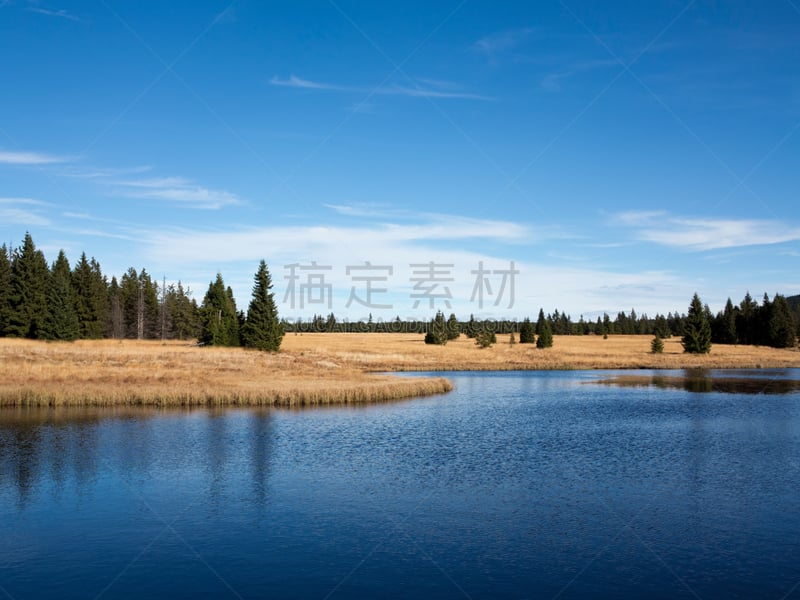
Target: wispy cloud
x,y
60,13
175,189
180,190
23,211
9,157
423,88
503,41
701,234
552,82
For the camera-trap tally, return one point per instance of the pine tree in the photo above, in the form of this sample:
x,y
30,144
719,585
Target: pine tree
x,y
61,321
724,325
453,327
526,333
545,336
697,330
437,330
781,328
661,327
5,288
262,328
219,319
115,327
745,320
29,275
182,313
91,292
540,322
657,345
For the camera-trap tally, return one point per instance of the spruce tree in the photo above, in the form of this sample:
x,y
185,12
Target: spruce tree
x,y
61,321
115,327
526,333
219,319
540,322
182,313
29,275
697,330
437,330
781,328
453,327
724,326
262,328
657,345
5,288
545,337
91,293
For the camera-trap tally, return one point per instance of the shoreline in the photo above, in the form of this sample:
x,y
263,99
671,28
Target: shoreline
x,y
315,369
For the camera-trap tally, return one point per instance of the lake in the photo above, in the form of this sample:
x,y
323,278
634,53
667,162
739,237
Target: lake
x,y
515,485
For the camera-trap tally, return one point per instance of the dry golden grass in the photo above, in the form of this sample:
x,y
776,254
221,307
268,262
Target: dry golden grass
x,y
313,369
151,373
408,352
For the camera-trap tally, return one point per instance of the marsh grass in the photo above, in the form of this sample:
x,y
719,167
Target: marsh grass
x,y
407,352
313,369
105,373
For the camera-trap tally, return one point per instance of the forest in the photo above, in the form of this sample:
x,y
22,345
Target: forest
x,y
61,302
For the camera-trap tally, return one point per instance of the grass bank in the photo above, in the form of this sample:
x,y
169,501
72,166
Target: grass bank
x,y
401,352
107,373
313,369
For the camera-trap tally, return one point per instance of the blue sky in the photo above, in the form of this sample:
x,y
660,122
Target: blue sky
x,y
613,155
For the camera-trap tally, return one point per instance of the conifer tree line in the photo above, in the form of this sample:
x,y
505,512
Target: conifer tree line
x,y
774,323
59,302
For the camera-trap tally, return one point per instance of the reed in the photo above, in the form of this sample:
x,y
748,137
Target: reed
x,y
407,352
106,373
313,369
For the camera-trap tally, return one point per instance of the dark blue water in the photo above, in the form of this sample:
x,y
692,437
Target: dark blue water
x,y
516,485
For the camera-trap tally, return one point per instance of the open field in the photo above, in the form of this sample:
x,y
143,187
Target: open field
x,y
110,372
408,352
313,369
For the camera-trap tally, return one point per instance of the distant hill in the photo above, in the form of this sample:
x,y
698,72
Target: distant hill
x,y
794,301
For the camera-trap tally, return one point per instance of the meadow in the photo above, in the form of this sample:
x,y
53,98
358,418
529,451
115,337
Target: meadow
x,y
313,369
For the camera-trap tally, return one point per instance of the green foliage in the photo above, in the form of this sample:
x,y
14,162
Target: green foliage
x,y
437,330
526,332
219,320
262,328
657,345
545,336
61,321
29,280
484,338
453,327
5,288
540,322
723,326
139,303
182,313
91,298
697,330
781,328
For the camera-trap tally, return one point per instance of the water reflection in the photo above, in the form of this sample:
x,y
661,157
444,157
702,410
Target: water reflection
x,y
65,450
703,381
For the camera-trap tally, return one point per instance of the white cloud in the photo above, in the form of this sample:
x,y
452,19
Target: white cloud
x,y
175,189
503,41
431,89
23,211
29,158
60,13
21,216
700,234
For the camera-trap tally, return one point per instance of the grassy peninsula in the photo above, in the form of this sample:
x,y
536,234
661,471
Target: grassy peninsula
x,y
314,369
